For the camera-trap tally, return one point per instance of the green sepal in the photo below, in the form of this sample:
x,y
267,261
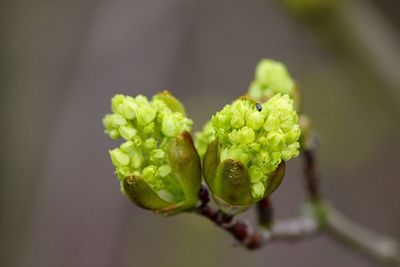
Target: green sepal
x,y
228,208
186,167
145,197
297,97
172,103
275,179
232,183
228,181
211,161
306,133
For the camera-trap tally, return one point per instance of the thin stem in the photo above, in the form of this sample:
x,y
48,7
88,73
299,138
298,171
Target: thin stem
x,y
320,217
289,230
241,231
292,229
310,170
265,212
380,248
377,247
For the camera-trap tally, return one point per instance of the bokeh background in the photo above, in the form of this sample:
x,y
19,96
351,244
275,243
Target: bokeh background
x,y
61,61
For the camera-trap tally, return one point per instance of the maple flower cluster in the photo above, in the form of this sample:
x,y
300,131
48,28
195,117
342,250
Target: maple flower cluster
x,y
260,138
148,128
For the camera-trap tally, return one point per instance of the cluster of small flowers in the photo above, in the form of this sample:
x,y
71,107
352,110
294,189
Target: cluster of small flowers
x,y
148,127
271,77
258,136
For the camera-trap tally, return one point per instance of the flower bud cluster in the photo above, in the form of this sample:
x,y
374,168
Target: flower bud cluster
x,y
147,128
260,138
271,77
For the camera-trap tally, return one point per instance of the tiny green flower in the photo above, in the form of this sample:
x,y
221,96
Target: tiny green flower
x,y
256,150
150,143
117,104
145,114
255,120
119,158
164,170
128,133
157,165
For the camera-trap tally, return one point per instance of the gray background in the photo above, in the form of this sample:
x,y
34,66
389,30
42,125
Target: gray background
x,y
61,61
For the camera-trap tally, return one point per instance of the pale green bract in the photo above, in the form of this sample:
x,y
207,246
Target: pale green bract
x,y
258,139
147,128
271,77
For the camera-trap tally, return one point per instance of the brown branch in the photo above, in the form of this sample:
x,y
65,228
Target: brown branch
x,y
379,248
265,212
241,231
319,216
310,169
251,238
382,249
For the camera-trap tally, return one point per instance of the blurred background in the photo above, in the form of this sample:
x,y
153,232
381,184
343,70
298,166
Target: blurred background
x,y
61,61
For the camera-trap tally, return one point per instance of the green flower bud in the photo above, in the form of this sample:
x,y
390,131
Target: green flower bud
x,y
272,123
243,165
128,147
170,126
245,135
128,133
150,143
275,140
174,124
256,174
237,120
158,166
119,158
274,75
117,104
256,90
255,120
164,170
157,154
271,78
129,108
145,114
257,190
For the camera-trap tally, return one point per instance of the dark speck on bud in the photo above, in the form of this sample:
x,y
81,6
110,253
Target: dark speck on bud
x,y
258,106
